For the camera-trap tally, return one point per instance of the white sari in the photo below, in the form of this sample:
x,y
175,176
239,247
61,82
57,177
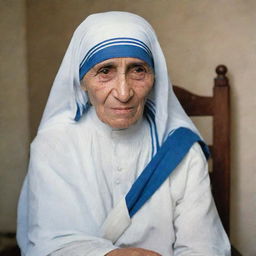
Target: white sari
x,y
74,181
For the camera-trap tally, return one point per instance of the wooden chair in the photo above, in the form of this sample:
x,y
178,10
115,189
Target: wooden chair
x,y
218,107
11,251
8,245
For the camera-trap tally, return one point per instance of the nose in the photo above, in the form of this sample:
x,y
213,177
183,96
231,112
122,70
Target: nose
x,y
122,91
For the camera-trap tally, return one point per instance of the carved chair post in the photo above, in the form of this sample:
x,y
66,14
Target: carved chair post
x,y
221,135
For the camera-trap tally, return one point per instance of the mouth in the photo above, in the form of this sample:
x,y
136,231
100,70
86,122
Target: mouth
x,y
123,110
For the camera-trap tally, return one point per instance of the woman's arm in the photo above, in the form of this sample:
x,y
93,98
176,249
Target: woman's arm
x,y
55,217
198,228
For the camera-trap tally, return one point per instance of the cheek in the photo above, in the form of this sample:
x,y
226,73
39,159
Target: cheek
x,y
144,90
95,89
96,95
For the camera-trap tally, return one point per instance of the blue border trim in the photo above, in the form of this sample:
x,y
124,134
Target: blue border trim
x,y
118,40
150,114
114,44
81,110
152,137
151,105
161,166
115,51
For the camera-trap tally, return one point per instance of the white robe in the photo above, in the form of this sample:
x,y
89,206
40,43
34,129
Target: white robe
x,y
78,172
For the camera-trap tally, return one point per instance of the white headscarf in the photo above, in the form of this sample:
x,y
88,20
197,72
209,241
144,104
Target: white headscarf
x,y
67,101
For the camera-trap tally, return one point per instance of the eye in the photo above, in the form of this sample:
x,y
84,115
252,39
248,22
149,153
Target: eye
x,y
104,71
139,69
137,72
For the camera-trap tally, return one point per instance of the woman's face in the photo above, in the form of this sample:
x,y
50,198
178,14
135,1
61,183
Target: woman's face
x,y
118,89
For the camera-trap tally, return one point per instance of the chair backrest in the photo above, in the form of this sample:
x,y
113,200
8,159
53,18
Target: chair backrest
x,y
217,106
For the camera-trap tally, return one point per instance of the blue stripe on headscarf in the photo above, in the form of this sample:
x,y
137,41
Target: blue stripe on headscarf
x,y
149,112
115,51
161,166
115,41
151,118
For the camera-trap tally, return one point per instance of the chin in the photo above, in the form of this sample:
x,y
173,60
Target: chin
x,y
123,123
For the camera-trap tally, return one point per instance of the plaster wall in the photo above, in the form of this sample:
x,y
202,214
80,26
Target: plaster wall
x,y
14,129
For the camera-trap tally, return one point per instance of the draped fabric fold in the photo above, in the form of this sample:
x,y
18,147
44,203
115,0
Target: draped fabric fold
x,y
156,172
161,166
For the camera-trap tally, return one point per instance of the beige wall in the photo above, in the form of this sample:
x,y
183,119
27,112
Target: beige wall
x,y
13,109
195,36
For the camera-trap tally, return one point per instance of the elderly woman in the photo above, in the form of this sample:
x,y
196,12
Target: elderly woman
x,y
117,168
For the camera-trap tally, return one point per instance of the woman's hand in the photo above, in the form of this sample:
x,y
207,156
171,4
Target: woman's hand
x,y
132,252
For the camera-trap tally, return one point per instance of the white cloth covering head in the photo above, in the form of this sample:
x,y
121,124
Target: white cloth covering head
x,y
91,43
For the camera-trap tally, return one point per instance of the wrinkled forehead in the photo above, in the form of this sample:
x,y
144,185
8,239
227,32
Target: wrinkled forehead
x,y
112,36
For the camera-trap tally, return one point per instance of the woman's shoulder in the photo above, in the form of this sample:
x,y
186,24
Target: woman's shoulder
x,y
196,152
191,169
194,159
60,136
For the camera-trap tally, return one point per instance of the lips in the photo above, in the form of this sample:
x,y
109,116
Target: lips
x,y
122,110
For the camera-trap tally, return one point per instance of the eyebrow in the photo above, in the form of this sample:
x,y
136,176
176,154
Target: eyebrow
x,y
139,63
135,64
112,64
105,65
